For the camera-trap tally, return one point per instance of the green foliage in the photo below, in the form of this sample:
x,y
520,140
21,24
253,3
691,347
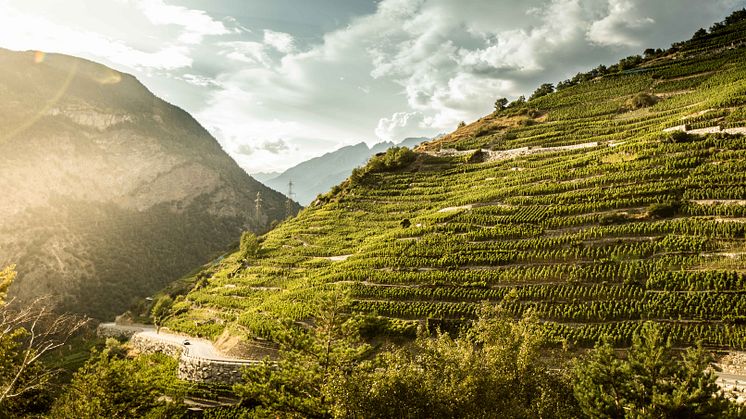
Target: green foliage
x,y
652,382
678,137
642,100
493,371
161,310
394,158
664,210
542,90
302,382
700,33
249,246
630,62
7,276
22,392
112,386
501,103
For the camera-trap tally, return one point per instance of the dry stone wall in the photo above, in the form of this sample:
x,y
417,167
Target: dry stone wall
x,y
191,368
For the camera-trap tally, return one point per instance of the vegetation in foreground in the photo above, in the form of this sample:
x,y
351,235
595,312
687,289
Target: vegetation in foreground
x,y
498,367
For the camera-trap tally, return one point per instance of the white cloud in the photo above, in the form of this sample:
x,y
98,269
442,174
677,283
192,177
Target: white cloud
x,y
282,42
246,52
409,68
400,125
623,26
20,32
195,24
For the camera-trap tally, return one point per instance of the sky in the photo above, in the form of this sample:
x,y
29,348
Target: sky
x,y
280,81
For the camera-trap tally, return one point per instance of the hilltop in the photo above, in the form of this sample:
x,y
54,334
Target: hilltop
x,y
319,174
617,199
109,193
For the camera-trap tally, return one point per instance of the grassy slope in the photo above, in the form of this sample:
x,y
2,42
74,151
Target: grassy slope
x,y
565,232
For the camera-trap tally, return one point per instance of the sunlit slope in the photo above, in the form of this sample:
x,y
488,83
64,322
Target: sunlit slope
x,y
576,205
108,192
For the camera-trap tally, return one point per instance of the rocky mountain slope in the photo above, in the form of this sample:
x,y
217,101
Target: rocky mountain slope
x,y
318,175
618,199
109,192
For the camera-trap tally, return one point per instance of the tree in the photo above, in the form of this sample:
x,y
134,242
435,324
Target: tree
x,y
161,311
500,104
249,246
518,102
110,385
652,382
312,364
701,33
542,90
494,370
7,276
28,332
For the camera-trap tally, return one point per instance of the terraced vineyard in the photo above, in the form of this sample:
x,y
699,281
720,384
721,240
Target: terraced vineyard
x,y
577,205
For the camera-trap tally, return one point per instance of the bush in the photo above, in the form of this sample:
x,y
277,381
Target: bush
x,y
249,245
664,210
542,90
642,100
677,137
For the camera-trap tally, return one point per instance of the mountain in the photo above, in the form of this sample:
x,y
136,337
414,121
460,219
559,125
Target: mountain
x,y
319,174
616,200
109,193
265,176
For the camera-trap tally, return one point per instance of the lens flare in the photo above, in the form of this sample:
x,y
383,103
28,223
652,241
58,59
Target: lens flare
x,y
56,96
108,77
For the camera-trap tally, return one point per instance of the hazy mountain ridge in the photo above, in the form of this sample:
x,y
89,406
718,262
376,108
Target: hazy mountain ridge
x,y
109,191
317,175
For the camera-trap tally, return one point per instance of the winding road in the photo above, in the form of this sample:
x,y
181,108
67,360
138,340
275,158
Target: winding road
x,y
197,347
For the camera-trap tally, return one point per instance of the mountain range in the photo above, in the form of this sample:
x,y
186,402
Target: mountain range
x,y
318,175
109,192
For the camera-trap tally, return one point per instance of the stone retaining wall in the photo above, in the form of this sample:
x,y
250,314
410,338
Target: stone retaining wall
x,y
108,330
148,346
210,371
193,368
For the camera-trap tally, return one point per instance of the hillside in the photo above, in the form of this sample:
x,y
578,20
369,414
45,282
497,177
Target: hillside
x,y
589,206
318,175
109,193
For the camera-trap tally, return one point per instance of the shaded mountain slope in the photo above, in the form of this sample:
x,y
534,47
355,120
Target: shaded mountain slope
x,y
109,192
617,200
318,175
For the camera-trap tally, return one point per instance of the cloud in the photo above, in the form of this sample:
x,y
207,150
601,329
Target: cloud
x,y
282,42
404,68
623,25
271,146
418,67
399,126
195,24
245,149
275,146
246,52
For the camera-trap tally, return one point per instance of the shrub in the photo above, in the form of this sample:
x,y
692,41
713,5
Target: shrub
x,y
642,100
542,90
249,245
664,210
677,137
